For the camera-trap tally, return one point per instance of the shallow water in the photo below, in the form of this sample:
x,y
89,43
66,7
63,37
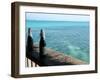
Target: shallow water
x,y
71,38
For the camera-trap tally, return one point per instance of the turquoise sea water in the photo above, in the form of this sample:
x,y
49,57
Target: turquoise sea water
x,y
68,37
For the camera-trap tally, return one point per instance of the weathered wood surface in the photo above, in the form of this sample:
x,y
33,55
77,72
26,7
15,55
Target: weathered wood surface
x,y
53,58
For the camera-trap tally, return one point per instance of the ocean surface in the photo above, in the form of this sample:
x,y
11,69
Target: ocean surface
x,y
68,37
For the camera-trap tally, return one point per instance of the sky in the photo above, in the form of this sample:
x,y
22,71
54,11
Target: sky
x,y
55,17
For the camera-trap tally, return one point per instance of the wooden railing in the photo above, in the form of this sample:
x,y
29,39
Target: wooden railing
x,y
30,63
51,58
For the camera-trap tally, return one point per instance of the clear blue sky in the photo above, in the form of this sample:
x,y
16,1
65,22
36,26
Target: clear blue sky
x,y
56,17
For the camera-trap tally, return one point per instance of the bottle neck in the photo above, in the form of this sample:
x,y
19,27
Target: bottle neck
x,y
30,34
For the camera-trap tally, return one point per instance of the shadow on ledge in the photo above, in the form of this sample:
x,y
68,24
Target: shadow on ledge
x,y
52,58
